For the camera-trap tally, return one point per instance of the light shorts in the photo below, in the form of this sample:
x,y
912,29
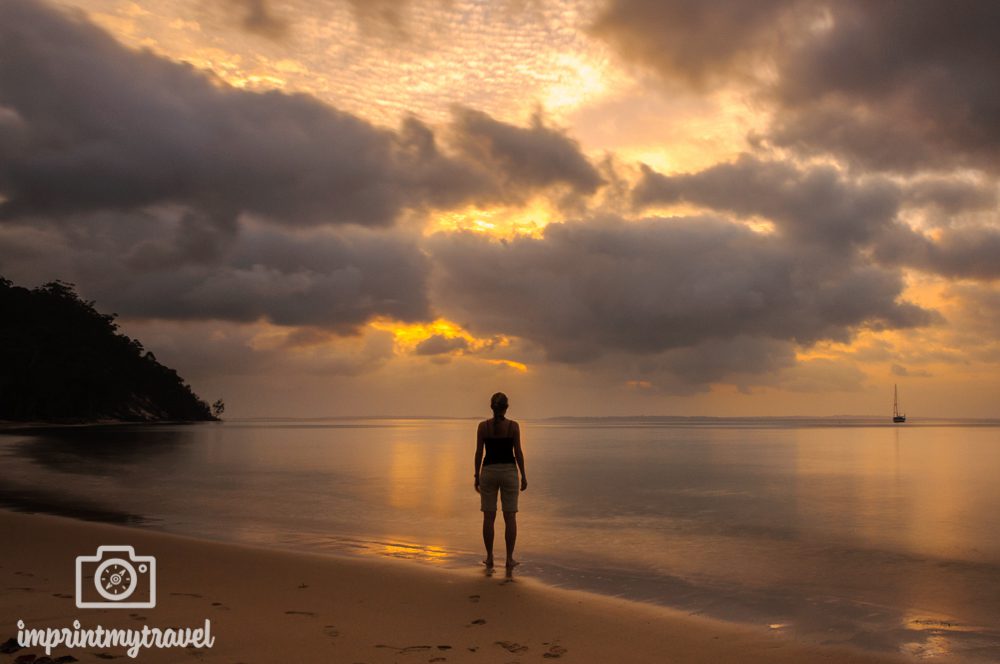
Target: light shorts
x,y
500,477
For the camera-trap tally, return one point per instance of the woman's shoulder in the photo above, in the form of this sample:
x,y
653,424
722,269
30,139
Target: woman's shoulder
x,y
485,424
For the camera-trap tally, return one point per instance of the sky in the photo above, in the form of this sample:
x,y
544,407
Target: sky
x,y
609,207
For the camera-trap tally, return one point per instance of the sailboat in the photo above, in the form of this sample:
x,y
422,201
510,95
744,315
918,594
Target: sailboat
x,y
897,417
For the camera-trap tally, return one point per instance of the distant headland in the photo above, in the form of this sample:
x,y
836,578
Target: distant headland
x,y
62,361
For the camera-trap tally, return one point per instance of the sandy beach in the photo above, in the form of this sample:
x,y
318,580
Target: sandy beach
x,y
276,606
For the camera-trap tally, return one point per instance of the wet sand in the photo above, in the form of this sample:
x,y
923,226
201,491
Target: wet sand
x,y
277,606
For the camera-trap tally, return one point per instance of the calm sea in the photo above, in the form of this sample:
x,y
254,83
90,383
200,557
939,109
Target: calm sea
x,y
834,531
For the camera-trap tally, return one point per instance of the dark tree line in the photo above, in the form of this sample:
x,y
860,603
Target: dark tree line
x,y
62,360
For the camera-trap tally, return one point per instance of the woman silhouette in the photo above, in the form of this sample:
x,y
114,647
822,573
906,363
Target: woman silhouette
x,y
501,439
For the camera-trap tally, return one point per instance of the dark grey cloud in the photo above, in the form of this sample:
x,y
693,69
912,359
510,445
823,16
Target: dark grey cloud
x,y
165,193
952,195
897,85
740,360
103,127
592,287
822,207
964,252
439,344
526,157
692,40
900,86
818,205
141,266
87,124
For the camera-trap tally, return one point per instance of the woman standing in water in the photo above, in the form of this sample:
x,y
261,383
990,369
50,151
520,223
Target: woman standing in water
x,y
501,440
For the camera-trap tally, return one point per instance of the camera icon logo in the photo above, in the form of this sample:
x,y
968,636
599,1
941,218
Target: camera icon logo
x,y
115,578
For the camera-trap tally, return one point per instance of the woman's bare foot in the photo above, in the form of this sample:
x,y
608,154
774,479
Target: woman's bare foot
x,y
511,563
489,563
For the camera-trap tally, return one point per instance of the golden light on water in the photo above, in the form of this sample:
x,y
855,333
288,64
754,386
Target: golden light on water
x,y
432,554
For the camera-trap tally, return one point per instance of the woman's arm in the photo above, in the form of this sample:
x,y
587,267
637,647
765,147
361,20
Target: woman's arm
x,y
519,455
480,443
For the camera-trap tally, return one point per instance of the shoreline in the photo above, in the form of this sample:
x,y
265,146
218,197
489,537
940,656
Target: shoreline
x,y
270,605
33,425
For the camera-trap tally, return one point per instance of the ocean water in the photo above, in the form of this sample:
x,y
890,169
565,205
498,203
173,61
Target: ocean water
x,y
832,531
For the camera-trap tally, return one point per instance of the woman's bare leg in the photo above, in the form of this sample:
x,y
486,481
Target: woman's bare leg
x,y
510,535
488,519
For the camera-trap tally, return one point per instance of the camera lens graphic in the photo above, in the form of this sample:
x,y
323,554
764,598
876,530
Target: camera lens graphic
x,y
115,579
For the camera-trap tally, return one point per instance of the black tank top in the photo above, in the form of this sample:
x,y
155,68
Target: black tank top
x,y
499,449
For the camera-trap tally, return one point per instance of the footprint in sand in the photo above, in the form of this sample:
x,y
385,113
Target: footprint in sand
x,y
302,586
136,616
555,651
331,631
438,659
105,655
444,647
510,646
474,598
195,595
62,595
301,613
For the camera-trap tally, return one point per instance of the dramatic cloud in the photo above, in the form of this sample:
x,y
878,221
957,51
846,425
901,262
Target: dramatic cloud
x,y
965,252
692,40
835,162
87,124
823,207
952,195
152,185
153,266
896,85
817,205
902,86
532,157
590,287
102,127
741,360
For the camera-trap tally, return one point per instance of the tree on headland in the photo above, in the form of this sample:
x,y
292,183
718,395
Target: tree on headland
x,y
62,360
218,408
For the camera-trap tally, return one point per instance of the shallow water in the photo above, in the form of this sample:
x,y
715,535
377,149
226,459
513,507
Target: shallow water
x,y
841,531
